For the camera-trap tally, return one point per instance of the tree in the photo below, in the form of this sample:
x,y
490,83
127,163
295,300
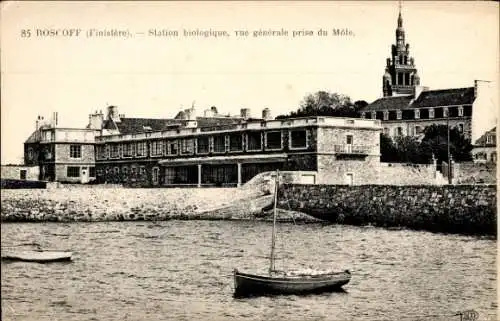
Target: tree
x,y
323,103
410,150
388,151
436,141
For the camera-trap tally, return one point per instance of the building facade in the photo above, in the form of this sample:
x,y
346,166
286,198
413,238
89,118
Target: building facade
x,y
485,148
406,108
229,151
62,154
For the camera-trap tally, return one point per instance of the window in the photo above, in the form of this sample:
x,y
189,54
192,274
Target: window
x,y
374,115
235,142
445,112
156,174
399,131
92,171
156,148
489,139
461,128
419,130
73,171
460,111
399,114
115,151
169,175
172,147
141,149
254,141
363,115
298,138
128,150
22,174
431,112
101,152
142,170
219,144
203,145
75,151
349,139
116,170
30,153
417,113
273,140
386,130
386,115
187,146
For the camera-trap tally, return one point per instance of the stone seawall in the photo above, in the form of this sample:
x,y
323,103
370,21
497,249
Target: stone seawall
x,y
103,203
467,209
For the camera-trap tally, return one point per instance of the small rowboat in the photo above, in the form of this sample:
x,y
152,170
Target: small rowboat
x,y
37,256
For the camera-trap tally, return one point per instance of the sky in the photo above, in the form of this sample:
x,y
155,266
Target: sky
x,y
453,44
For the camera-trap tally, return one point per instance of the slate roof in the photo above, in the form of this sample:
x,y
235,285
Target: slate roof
x,y
389,103
428,98
139,125
445,97
481,141
33,138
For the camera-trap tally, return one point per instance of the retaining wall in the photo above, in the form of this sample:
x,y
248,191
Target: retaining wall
x,y
468,209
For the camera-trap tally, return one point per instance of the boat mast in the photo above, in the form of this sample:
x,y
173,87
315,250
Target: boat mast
x,y
273,240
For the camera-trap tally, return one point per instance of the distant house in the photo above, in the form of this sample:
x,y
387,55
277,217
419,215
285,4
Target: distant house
x,y
485,147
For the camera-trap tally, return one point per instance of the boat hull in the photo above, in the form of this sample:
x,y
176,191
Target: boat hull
x,y
249,284
38,257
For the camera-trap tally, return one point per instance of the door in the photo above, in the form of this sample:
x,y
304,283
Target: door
x,y
349,140
84,178
349,178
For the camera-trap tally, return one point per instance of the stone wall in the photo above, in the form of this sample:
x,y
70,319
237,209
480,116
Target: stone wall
x,y
468,209
474,173
71,203
14,172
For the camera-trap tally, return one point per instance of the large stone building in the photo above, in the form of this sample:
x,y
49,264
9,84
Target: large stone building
x,y
215,150
406,108
62,154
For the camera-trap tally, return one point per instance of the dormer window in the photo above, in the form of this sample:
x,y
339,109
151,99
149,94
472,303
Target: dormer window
x,y
374,114
417,113
460,111
431,112
399,114
445,112
363,115
489,139
386,115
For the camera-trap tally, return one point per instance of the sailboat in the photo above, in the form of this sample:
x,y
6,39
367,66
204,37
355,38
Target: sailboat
x,y
287,282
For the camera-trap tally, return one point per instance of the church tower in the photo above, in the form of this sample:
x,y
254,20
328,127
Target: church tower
x,y
400,77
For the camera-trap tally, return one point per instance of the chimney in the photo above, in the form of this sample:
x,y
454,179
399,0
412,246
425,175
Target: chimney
x,y
245,113
96,120
188,114
113,113
266,113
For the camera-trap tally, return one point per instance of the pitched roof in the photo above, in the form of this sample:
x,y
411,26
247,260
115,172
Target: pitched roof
x,y
445,97
139,125
481,141
389,103
33,138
